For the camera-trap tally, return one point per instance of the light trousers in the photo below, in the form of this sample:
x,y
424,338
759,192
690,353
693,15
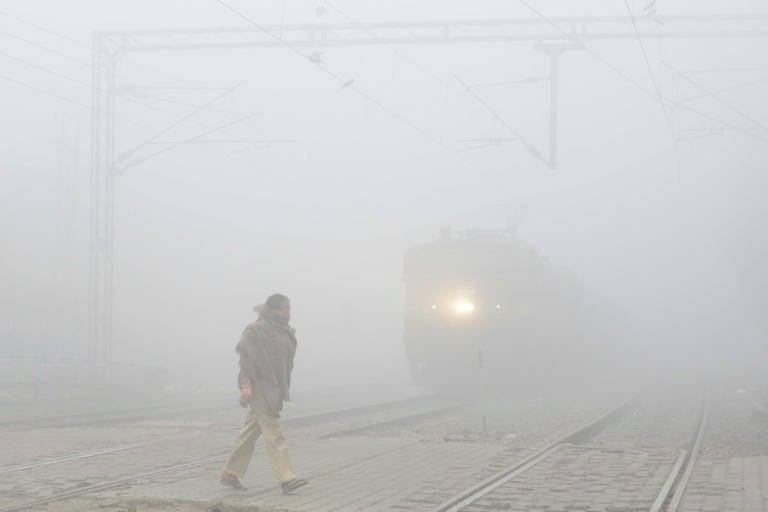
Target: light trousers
x,y
258,422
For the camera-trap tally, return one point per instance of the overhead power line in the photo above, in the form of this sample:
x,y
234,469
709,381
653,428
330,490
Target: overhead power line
x,y
82,62
728,70
87,63
342,81
647,61
531,149
45,29
176,123
45,69
485,105
730,88
140,160
69,100
87,84
712,94
636,84
43,91
374,35
77,42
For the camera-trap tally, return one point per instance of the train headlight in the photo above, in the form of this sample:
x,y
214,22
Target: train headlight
x,y
463,307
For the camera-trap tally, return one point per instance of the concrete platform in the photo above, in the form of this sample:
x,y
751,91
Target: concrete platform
x,y
737,484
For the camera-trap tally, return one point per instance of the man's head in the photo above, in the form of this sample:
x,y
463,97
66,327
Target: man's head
x,y
280,304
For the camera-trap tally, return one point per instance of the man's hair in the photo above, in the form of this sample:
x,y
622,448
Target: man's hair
x,y
276,300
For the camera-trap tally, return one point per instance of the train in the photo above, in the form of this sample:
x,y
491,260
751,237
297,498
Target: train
x,y
483,306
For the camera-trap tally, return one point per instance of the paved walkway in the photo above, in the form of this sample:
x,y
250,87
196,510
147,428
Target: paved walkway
x,y
738,484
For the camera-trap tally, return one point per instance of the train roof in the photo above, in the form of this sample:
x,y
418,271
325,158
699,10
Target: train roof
x,y
470,240
483,252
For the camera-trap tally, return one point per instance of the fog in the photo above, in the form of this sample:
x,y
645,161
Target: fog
x,y
658,210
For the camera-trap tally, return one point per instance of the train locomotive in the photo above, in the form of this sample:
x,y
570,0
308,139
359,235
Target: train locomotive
x,y
483,305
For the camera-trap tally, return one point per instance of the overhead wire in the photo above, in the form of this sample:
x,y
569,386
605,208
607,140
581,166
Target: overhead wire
x,y
83,44
717,98
647,62
634,82
88,63
85,83
176,123
344,82
522,81
731,126
531,149
190,104
45,69
493,112
44,29
369,97
730,88
82,62
140,160
90,108
728,70
374,35
68,100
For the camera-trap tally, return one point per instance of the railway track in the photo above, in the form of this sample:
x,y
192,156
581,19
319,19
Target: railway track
x,y
668,499
110,416
299,421
607,428
308,420
671,495
137,414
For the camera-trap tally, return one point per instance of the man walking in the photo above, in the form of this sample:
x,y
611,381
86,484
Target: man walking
x,y
266,351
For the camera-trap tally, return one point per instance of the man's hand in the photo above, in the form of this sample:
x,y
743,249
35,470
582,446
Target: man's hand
x,y
245,397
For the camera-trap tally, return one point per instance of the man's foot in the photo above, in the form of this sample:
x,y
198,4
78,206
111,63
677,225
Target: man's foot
x,y
294,484
232,482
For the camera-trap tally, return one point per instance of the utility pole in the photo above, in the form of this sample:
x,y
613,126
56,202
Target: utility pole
x,y
104,59
106,167
554,51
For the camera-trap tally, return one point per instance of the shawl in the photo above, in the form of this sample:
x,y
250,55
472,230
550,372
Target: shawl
x,y
267,348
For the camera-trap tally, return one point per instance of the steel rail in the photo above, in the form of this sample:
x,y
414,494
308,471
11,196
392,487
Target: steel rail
x,y
109,485
658,503
164,411
675,485
403,420
682,486
101,417
472,494
21,467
